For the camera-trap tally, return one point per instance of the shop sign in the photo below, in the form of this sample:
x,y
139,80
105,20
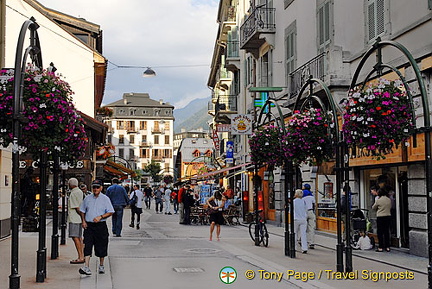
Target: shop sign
x,y
223,127
34,164
216,140
241,124
229,152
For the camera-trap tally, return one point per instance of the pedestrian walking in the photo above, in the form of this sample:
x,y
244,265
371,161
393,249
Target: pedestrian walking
x,y
119,199
216,204
300,219
180,195
136,208
148,192
158,196
167,197
383,207
94,210
309,199
188,202
174,199
83,188
74,219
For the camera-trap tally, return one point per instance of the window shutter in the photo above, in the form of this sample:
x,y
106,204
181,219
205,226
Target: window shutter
x,y
327,22
371,20
379,17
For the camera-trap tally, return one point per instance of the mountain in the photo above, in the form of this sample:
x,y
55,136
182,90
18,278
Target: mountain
x,y
192,116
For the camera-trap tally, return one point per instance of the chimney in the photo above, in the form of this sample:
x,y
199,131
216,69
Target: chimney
x,y
160,101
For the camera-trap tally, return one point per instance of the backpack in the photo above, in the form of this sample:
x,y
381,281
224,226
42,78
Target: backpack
x,y
134,199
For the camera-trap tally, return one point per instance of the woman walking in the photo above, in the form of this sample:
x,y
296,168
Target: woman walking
x,y
216,203
383,206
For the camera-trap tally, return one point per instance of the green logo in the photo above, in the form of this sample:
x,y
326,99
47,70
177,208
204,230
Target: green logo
x,y
227,275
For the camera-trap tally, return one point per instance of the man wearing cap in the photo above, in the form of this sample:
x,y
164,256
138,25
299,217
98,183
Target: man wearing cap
x,y
309,199
119,200
94,210
74,219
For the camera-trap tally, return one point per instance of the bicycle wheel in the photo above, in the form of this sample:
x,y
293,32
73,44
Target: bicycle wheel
x,y
264,235
252,231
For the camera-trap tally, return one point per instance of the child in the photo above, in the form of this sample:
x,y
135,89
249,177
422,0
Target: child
x,y
364,242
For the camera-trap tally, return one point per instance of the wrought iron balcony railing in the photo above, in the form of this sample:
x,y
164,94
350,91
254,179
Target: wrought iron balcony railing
x,y
226,103
261,20
314,67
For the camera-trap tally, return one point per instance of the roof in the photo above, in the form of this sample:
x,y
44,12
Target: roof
x,y
133,99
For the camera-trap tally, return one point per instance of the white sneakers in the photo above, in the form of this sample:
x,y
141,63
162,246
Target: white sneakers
x,y
86,270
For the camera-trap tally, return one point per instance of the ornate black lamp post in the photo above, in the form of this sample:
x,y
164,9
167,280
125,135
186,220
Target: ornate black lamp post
x,y
55,190
63,167
378,70
34,52
341,154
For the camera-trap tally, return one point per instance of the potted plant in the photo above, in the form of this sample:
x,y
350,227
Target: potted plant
x,y
265,146
309,137
49,120
377,118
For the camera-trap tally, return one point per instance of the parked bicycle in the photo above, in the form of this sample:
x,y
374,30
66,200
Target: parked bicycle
x,y
263,235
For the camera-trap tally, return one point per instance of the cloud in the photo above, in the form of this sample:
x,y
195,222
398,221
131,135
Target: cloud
x,y
159,34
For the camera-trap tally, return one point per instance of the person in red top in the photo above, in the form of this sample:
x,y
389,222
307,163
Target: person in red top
x,y
229,193
174,200
181,192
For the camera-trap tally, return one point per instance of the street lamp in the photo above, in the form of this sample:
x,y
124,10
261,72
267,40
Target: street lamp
x,y
34,51
64,167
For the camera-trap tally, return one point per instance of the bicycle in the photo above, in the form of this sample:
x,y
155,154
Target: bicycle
x,y
263,235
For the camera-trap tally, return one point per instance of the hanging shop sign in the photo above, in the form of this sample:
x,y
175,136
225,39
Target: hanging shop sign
x,y
221,127
241,124
215,139
229,152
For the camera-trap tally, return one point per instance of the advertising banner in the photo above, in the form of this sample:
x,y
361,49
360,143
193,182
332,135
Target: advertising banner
x,y
241,124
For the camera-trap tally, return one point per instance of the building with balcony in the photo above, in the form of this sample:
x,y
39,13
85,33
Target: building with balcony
x,y
283,43
141,129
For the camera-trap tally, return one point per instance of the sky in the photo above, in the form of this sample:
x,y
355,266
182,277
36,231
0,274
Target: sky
x,y
174,37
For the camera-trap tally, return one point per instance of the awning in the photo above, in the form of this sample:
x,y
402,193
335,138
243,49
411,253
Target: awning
x,y
227,169
118,169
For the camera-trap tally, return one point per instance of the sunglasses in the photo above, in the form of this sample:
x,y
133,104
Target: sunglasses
x,y
96,187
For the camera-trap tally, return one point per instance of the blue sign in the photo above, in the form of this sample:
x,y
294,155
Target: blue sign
x,y
229,159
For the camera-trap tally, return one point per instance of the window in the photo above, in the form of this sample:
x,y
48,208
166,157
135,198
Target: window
x,y
167,153
156,139
265,75
120,124
145,153
375,18
131,125
324,22
121,139
131,154
167,139
290,48
131,139
249,69
143,125
167,126
208,153
196,153
121,153
144,139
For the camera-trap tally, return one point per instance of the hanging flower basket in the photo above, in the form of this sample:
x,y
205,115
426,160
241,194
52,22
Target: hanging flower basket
x,y
49,120
309,137
377,118
265,146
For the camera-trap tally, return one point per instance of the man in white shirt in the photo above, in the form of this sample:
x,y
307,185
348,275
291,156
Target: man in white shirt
x,y
309,199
